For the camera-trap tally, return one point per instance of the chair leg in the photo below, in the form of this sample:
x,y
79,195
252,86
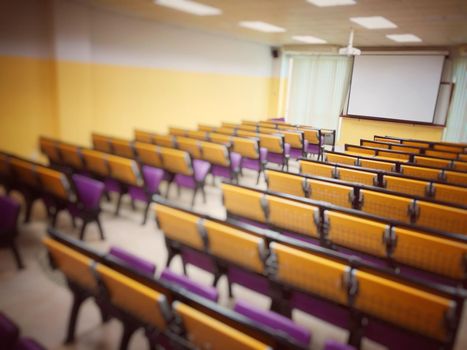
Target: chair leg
x,y
119,204
83,228
99,227
194,196
185,271
27,215
146,212
259,175
73,221
14,249
78,299
167,190
126,336
229,288
179,191
133,204
203,192
54,218
107,196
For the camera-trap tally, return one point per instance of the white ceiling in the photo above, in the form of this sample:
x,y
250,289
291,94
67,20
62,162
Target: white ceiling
x,y
436,22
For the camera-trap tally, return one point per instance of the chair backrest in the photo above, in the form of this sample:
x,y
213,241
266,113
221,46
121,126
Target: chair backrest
x,y
89,191
288,183
198,135
340,159
384,139
204,127
101,143
330,192
372,144
148,154
450,193
432,162
180,226
25,172
272,143
415,143
387,205
375,164
144,136
71,156
9,212
133,261
55,183
177,131
164,140
215,153
455,177
440,154
125,170
448,148
236,246
228,131
244,133
229,125
205,332
220,138
293,138
310,272
176,161
135,298
409,186
317,169
357,176
421,172
393,155
293,216
191,146
207,292
460,166
246,147
436,254
75,266
442,217
357,150
406,149
356,233
407,306
122,148
243,202
50,148
96,162
312,136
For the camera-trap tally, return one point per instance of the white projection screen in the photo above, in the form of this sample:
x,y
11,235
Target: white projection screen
x,y
400,87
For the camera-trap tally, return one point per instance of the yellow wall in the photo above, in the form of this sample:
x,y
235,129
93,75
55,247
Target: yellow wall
x,y
27,107
352,130
69,100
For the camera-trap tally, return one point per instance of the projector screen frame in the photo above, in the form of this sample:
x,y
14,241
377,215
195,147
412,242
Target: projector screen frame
x,y
403,121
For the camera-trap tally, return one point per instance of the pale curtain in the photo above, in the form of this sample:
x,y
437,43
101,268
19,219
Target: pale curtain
x,y
318,86
456,130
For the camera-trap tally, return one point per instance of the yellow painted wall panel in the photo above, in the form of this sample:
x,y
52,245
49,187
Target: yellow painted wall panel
x,y
352,130
27,107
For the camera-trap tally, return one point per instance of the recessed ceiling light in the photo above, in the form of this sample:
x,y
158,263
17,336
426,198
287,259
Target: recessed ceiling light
x,y
328,3
404,38
309,39
374,22
192,7
261,26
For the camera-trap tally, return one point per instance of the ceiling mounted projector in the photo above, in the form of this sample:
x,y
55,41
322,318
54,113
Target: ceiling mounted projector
x,y
349,50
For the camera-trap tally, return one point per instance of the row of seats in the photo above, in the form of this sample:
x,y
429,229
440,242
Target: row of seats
x,y
253,156
400,207
395,243
390,181
278,149
224,163
119,174
417,171
415,150
79,195
174,313
411,158
339,290
442,146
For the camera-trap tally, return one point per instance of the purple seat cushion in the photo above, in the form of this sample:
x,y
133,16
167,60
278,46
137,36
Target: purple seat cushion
x,y
296,153
9,211
335,345
201,169
207,292
222,171
9,332
112,185
28,344
277,158
312,148
203,261
324,310
135,262
249,280
138,194
274,321
235,161
287,149
89,191
152,178
253,164
186,181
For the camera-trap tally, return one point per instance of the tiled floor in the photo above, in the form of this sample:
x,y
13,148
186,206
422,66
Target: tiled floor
x,y
38,301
